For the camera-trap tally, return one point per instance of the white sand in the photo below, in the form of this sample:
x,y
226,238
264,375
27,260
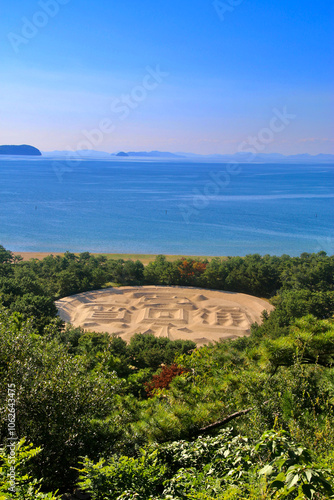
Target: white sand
x,y
174,312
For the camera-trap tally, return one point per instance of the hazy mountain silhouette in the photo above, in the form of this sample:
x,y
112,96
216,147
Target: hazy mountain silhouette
x,y
245,157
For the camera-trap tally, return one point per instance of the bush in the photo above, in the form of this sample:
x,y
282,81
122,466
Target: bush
x,y
15,479
221,467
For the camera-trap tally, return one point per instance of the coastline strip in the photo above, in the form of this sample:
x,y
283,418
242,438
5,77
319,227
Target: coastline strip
x,y
144,258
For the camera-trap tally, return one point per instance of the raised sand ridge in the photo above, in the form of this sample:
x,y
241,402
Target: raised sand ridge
x,y
174,312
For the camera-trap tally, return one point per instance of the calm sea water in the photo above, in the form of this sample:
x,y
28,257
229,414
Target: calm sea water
x,y
170,207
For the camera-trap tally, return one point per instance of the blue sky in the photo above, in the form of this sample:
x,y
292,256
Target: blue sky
x,y
78,73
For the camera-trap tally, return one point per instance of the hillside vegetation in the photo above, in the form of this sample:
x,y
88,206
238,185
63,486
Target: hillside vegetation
x,y
251,418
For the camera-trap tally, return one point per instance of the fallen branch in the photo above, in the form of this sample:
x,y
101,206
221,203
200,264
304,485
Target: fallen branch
x,y
225,421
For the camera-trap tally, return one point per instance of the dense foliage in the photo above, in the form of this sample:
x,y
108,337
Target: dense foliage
x,y
226,467
251,418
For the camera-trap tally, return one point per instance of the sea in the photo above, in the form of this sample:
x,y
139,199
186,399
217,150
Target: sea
x,y
180,207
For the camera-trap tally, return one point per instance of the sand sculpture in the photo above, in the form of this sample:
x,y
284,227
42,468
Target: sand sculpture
x,y
174,312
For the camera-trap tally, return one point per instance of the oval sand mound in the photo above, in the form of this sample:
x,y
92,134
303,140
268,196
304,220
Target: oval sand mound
x,y
175,312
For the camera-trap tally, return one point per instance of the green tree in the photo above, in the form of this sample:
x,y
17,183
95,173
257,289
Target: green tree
x,y
60,405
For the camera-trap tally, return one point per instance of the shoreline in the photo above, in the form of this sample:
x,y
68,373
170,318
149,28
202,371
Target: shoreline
x,y
144,258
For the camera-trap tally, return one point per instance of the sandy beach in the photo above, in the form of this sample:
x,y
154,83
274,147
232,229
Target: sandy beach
x,y
185,313
36,255
144,258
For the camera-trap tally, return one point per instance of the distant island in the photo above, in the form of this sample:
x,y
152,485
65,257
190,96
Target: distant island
x,y
245,157
221,158
24,149
150,154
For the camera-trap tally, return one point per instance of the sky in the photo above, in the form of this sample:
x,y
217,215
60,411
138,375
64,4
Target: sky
x,y
198,76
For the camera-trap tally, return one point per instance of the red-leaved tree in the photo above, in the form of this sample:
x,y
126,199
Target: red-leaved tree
x,y
163,379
